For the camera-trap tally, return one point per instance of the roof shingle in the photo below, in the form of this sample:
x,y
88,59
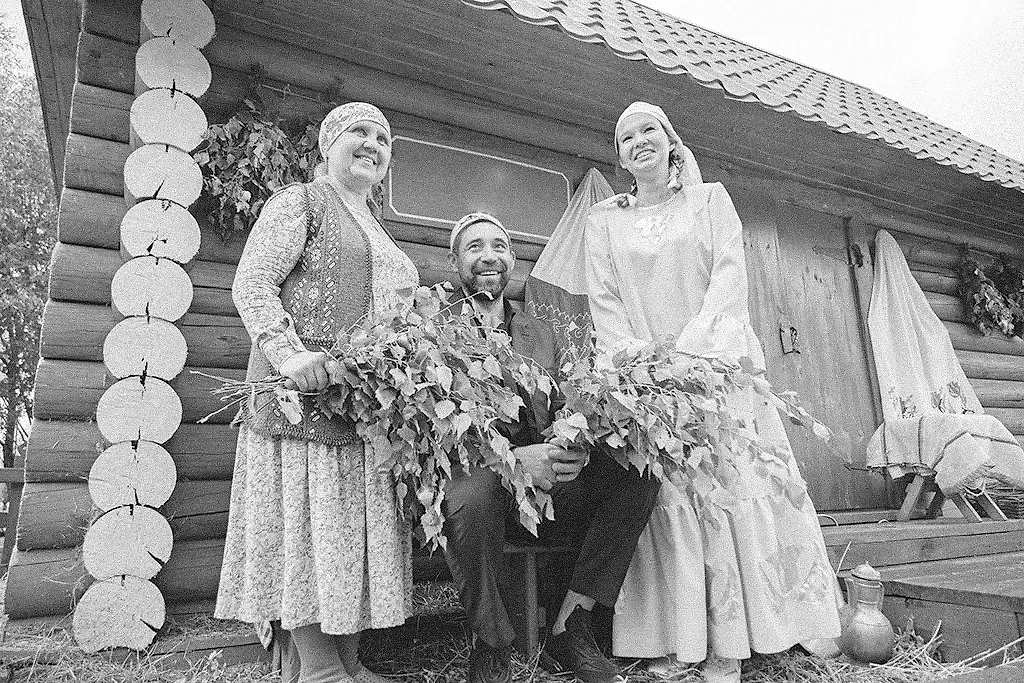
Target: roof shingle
x,y
635,32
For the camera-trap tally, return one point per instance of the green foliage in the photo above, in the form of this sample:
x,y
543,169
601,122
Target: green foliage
x,y
677,415
27,231
248,158
993,304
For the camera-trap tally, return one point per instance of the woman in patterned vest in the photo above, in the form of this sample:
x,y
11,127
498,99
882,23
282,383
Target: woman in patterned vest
x,y
315,539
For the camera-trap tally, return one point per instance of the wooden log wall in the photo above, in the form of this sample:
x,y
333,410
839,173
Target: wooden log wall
x,y
993,364
95,227
47,575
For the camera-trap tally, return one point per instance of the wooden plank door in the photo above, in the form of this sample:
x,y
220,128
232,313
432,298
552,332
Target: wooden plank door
x,y
805,309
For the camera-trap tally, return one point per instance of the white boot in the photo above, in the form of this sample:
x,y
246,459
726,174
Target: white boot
x,y
720,670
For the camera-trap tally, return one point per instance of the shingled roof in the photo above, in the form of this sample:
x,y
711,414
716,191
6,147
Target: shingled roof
x,y
635,32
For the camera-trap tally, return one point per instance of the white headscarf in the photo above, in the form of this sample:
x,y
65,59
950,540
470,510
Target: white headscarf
x,y
472,219
685,171
343,117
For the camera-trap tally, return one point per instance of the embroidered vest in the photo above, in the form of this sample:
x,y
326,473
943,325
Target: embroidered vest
x,y
328,291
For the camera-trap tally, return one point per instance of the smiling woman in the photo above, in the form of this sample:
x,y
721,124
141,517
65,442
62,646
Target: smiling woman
x,y
314,536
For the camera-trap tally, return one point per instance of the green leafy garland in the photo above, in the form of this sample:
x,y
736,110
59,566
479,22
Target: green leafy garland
x,y
248,158
993,303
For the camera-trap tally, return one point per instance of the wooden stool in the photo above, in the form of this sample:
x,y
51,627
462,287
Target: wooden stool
x,y
925,483
528,617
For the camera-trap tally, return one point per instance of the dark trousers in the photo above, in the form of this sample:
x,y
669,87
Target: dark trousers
x,y
603,510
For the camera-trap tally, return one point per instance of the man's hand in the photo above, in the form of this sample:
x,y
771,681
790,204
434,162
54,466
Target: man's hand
x,y
308,371
548,463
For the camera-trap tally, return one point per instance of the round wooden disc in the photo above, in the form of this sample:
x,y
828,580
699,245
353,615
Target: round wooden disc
x,y
132,473
132,539
139,345
131,411
161,172
150,286
163,116
123,611
161,228
190,21
166,62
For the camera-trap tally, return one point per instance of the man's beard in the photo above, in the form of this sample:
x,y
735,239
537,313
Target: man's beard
x,y
485,294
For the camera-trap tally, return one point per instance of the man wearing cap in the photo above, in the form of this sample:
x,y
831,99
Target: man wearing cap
x,y
598,504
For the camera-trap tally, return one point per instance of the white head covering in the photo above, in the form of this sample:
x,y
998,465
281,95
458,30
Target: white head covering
x,y
686,172
472,219
341,118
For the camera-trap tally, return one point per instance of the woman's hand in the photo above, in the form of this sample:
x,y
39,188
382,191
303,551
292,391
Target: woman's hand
x,y
307,371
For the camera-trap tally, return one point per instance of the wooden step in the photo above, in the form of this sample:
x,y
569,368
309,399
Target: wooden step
x,y
990,581
977,603
886,544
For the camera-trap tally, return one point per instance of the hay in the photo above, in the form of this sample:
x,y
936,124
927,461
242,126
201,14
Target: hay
x,y
441,658
433,648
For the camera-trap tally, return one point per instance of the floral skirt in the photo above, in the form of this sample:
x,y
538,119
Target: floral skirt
x,y
753,577
314,536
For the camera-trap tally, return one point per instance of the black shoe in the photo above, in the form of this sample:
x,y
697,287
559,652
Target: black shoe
x,y
575,650
489,664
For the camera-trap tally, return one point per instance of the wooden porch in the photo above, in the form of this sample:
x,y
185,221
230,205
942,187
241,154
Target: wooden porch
x,y
965,578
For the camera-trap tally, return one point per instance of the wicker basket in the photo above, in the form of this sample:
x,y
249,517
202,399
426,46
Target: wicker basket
x,y
1010,500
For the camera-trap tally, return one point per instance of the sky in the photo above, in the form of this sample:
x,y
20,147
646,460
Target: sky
x,y
958,62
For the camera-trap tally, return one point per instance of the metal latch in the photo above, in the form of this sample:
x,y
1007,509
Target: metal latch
x,y
789,336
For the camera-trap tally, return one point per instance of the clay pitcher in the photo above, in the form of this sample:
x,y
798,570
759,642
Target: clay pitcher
x,y
867,634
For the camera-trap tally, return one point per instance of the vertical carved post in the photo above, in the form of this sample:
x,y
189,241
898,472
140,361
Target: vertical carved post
x,y
128,544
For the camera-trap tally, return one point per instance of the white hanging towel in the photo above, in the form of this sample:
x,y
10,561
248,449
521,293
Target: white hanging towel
x,y
918,376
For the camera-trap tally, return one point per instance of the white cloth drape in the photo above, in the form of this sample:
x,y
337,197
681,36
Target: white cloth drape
x,y
934,422
917,368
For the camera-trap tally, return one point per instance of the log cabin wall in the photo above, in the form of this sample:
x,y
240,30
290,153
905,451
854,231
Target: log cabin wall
x,y
798,240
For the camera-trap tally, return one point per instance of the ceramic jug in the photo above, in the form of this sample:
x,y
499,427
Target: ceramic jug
x,y
867,634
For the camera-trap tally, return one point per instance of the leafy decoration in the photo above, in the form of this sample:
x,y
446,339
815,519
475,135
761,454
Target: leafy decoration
x,y
248,158
1009,280
435,394
432,394
988,305
677,415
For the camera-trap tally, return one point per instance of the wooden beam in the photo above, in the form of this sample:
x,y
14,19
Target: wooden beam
x,y
49,582
100,113
95,165
84,274
70,390
65,451
74,331
56,515
93,219
11,475
106,63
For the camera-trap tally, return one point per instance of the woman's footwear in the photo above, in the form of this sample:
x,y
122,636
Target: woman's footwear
x,y
720,670
668,667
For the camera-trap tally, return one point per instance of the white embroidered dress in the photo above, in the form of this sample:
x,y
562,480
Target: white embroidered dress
x,y
314,532
755,576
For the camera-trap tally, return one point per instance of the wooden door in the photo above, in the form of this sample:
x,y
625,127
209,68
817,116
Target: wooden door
x,y
804,306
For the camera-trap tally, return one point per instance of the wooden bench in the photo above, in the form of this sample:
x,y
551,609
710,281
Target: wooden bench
x,y
922,484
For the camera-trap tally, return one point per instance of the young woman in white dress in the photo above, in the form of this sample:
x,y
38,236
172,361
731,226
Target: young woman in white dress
x,y
710,583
